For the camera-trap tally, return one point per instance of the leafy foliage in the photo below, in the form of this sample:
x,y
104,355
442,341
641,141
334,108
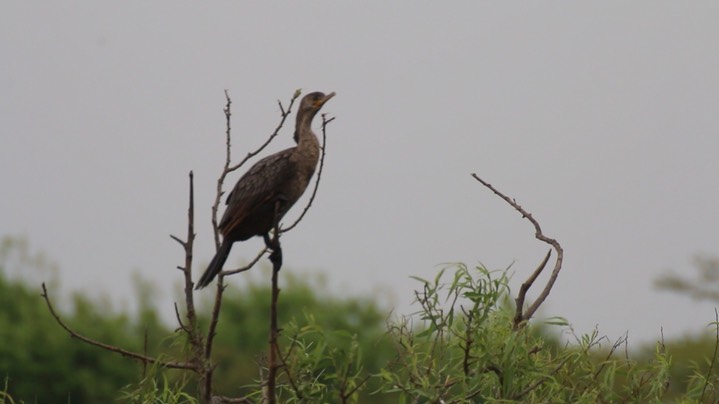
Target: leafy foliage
x,y
42,364
460,346
323,336
465,350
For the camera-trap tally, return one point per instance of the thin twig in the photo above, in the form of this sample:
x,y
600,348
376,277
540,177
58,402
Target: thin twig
x,y
540,236
325,122
284,114
543,379
286,368
346,395
189,297
214,317
191,328
246,267
619,342
276,258
182,243
714,356
212,331
560,365
179,319
467,355
518,315
227,169
111,348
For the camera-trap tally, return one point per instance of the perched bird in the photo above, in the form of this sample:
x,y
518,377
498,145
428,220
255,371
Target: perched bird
x,y
269,188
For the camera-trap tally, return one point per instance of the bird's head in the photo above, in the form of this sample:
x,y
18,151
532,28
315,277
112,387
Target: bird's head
x,y
309,106
313,102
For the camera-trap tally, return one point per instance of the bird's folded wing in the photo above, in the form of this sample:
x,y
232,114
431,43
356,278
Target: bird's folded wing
x,y
260,185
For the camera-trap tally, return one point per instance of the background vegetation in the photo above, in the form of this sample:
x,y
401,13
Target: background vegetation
x,y
458,347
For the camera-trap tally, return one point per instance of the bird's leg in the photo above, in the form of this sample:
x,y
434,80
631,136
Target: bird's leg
x,y
268,241
274,243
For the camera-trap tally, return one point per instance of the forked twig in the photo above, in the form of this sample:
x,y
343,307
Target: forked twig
x,y
521,315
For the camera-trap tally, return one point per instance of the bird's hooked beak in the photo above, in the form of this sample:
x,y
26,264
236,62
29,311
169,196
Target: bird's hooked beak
x,y
322,102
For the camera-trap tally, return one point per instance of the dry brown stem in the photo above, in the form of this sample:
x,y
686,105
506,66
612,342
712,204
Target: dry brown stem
x,y
522,315
142,358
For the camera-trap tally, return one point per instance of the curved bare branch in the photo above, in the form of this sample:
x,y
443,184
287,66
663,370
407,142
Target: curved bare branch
x,y
524,315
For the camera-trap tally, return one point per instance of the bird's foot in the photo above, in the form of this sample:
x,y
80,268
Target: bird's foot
x,y
276,255
276,258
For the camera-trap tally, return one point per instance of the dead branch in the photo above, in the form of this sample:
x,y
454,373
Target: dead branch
x,y
246,267
522,316
111,348
276,258
714,355
288,374
191,328
187,269
325,122
227,169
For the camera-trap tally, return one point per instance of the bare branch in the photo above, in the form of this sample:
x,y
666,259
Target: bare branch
x,y
191,328
111,348
540,236
183,327
518,316
182,243
622,340
714,355
189,298
283,361
345,395
225,170
325,122
248,266
276,258
215,315
542,379
284,114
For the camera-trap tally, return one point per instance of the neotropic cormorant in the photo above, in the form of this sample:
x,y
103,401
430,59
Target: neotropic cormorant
x,y
269,188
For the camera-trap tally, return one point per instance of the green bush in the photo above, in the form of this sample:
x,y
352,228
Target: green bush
x,y
460,346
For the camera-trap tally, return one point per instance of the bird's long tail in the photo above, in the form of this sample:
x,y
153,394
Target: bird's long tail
x,y
215,265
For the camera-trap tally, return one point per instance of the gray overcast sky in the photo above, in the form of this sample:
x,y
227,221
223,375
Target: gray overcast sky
x,y
599,118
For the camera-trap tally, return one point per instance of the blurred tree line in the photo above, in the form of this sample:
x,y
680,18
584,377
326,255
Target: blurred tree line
x,y
40,363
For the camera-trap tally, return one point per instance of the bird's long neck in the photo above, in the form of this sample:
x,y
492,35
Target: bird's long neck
x,y
305,138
